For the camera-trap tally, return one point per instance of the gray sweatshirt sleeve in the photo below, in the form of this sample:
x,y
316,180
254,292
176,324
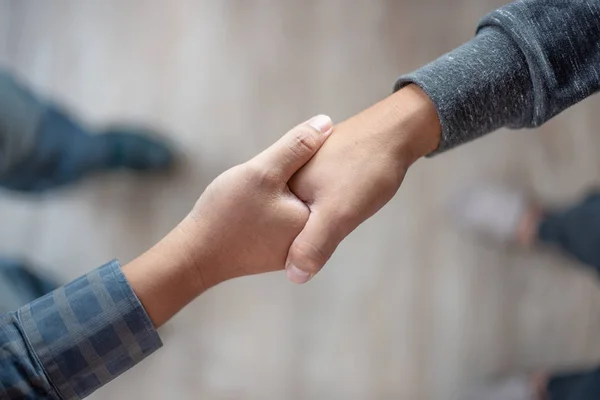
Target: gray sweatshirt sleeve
x,y
529,61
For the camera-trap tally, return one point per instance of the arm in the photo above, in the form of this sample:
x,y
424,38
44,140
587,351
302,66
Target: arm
x,y
70,342
78,338
529,61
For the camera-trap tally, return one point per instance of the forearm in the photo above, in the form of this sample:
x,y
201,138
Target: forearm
x,y
529,61
170,275
78,338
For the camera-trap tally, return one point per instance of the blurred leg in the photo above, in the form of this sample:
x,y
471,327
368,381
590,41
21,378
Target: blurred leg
x,y
508,216
575,230
42,147
510,388
582,385
20,116
578,386
19,285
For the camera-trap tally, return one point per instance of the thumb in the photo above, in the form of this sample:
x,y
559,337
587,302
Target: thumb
x,y
295,148
312,248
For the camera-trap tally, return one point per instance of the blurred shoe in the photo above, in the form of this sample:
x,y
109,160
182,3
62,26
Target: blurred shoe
x,y
20,284
65,152
513,388
497,213
134,148
510,388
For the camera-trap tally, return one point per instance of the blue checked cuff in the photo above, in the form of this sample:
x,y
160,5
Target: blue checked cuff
x,y
88,332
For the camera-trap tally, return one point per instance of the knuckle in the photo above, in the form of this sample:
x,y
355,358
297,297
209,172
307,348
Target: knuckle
x,y
303,141
297,214
311,256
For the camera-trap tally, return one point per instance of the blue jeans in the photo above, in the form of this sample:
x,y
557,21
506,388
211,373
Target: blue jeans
x,y
576,231
576,386
42,147
20,285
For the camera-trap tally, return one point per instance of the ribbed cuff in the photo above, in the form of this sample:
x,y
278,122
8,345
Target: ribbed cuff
x,y
477,88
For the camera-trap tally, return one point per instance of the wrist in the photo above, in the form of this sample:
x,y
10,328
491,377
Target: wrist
x,y
169,275
406,122
194,251
419,127
405,126
163,281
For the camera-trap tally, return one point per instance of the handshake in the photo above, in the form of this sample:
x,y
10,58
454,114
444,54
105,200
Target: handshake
x,y
291,205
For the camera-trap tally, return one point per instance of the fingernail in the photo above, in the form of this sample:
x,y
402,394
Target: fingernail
x,y
296,275
322,123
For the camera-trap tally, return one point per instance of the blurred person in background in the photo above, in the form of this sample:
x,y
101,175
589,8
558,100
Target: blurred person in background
x,y
509,216
42,147
529,61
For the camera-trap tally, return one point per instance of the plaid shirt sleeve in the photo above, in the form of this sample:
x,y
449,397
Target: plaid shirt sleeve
x,y
74,340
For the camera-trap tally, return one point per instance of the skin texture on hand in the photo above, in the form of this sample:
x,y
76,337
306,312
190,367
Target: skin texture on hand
x,y
357,172
243,224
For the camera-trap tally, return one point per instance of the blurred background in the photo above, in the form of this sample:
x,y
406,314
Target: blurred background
x,y
408,308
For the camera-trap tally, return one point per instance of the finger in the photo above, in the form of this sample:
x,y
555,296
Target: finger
x,y
313,247
296,147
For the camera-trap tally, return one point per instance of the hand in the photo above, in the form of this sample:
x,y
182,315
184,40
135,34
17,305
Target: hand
x,y
243,224
357,172
247,218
